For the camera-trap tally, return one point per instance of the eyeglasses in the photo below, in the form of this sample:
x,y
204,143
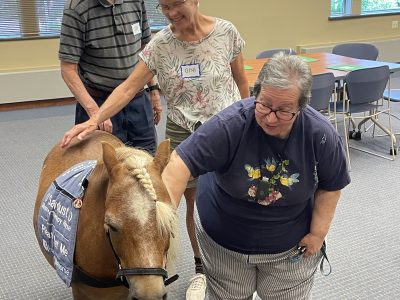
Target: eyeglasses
x,y
280,114
162,8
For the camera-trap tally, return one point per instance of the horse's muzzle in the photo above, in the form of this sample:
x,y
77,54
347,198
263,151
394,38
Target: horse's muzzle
x,y
163,298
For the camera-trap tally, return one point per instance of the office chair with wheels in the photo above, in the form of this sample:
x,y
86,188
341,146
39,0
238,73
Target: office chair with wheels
x,y
322,91
364,94
269,53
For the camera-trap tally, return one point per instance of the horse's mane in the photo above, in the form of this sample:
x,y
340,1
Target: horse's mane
x,y
167,220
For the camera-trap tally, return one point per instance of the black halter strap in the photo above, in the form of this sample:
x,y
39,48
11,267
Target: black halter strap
x,y
120,280
79,275
123,272
142,271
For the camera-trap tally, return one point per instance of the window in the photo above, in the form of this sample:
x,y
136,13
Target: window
x,y
21,19
156,19
367,7
337,7
9,19
49,15
30,18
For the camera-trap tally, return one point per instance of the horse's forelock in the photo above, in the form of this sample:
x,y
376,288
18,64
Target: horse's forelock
x,y
133,158
136,161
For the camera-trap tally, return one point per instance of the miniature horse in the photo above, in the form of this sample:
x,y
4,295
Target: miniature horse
x,y
126,217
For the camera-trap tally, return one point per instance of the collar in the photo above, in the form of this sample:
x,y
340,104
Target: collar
x,y
105,3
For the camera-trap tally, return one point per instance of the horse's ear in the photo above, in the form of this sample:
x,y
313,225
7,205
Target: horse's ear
x,y
109,157
162,155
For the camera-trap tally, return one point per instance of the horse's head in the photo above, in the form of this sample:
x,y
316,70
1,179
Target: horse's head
x,y
139,218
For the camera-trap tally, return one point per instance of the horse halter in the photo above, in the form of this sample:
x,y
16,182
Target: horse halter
x,y
123,272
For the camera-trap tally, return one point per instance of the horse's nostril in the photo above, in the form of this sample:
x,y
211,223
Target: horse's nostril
x,y
165,297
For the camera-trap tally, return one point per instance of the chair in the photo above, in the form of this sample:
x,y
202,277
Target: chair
x,y
354,50
364,94
323,86
269,53
392,95
357,50
322,91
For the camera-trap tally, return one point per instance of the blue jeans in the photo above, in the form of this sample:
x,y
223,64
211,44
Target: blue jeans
x,y
133,125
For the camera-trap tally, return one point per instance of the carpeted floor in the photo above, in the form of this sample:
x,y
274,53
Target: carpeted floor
x,y
363,242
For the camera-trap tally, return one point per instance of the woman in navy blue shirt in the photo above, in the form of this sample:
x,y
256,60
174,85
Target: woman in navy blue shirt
x,y
271,171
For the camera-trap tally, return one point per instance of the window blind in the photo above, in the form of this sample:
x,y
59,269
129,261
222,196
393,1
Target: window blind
x,y
21,19
30,18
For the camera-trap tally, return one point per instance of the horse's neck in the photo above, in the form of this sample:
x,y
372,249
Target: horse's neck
x,y
91,233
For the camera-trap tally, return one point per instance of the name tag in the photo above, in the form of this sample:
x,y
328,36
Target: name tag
x,y
136,28
190,71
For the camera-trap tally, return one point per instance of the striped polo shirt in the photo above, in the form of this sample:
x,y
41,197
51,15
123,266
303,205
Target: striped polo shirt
x,y
103,39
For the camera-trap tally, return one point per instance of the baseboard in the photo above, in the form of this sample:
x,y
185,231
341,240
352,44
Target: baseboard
x,y
37,104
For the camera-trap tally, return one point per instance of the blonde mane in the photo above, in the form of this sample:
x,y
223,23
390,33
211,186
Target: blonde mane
x,y
167,220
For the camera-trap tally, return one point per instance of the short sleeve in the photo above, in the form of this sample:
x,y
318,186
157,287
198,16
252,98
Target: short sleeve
x,y
149,56
72,37
332,169
237,41
212,146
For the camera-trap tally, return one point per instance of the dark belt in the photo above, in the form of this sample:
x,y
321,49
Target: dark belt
x,y
104,94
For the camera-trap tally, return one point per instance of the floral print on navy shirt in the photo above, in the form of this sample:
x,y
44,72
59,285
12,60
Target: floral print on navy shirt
x,y
275,174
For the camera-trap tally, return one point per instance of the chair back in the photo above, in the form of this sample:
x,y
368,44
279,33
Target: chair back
x,y
367,85
357,50
321,91
269,53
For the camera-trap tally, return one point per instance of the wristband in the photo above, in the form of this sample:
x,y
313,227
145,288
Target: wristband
x,y
154,87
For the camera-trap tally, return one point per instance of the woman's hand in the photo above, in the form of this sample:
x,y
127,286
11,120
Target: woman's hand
x,y
312,243
81,131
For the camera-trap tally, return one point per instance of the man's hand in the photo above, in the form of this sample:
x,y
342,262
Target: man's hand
x,y
81,131
106,126
156,103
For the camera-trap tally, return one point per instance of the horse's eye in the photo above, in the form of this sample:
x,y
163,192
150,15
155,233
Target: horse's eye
x,y
110,227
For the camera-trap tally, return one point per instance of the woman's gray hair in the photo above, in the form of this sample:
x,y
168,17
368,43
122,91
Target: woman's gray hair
x,y
284,71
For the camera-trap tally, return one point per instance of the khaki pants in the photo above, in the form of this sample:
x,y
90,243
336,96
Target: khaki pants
x,y
177,135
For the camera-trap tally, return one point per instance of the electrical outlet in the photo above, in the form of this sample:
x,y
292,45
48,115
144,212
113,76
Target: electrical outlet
x,y
395,24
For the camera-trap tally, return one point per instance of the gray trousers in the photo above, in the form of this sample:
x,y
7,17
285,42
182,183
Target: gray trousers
x,y
235,276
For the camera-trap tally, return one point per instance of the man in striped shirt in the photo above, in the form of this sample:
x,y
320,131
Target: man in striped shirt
x,y
99,45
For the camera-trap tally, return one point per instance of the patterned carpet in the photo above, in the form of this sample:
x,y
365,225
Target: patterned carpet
x,y
363,242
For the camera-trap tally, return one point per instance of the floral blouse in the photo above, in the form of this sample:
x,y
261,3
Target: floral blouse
x,y
195,77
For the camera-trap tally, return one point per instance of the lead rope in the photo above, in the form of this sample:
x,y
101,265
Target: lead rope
x,y
325,257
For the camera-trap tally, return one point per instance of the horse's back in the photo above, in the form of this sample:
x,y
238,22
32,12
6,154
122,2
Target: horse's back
x,y
59,159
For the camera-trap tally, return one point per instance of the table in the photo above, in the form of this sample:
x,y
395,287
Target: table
x,y
324,60
320,66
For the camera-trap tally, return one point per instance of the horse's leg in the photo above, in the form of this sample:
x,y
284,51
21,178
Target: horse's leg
x,y
85,292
